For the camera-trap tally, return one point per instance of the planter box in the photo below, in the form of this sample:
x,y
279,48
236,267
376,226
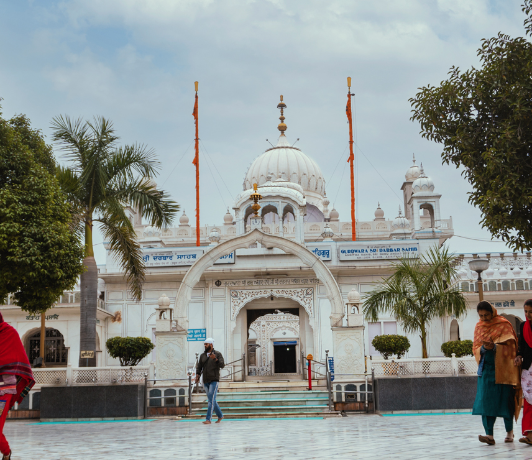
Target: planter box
x,y
94,401
425,393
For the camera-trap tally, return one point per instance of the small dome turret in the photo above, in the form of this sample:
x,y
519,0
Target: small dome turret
x,y
413,172
183,220
379,213
423,183
335,215
228,218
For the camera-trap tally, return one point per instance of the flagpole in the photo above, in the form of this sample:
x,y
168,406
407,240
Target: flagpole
x,y
351,159
196,163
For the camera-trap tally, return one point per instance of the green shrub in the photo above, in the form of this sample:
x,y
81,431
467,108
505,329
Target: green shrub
x,y
458,347
388,345
130,350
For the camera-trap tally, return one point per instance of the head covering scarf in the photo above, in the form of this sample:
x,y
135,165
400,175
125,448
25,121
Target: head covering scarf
x,y
14,361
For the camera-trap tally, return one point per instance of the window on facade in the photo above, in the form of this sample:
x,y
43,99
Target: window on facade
x,y
506,285
519,285
54,347
465,286
492,286
455,331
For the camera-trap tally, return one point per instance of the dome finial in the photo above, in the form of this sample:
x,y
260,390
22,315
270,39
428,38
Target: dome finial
x,y
414,160
281,127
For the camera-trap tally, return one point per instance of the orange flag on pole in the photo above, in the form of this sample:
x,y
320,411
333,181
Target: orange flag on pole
x,y
196,164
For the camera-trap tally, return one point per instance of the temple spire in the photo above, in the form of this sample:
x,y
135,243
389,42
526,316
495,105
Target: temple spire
x,y
281,127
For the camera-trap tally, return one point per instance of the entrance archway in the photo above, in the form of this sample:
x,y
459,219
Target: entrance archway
x,y
307,257
278,331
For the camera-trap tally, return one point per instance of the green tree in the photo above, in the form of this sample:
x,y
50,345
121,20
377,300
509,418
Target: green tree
x,y
419,290
40,253
100,181
483,118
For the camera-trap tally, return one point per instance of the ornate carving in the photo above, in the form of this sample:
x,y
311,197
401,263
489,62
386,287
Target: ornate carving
x,y
348,351
171,357
266,326
239,298
271,282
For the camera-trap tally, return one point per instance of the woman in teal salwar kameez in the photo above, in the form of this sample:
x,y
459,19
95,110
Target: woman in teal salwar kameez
x,y
495,349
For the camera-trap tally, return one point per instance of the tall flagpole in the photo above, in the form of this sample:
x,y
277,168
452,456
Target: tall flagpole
x,y
196,163
351,159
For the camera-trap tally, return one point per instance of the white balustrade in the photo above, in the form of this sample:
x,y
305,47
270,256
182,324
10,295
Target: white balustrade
x,y
424,366
90,375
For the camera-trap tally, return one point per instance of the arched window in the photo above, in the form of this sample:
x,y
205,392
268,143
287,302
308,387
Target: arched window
x,y
455,330
55,352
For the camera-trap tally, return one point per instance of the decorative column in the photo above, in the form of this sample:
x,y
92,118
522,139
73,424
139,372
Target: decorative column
x,y
348,342
172,348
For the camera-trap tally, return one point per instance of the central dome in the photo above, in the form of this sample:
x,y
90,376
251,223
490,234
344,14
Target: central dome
x,y
289,163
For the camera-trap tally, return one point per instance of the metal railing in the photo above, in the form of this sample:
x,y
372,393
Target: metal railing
x,y
89,375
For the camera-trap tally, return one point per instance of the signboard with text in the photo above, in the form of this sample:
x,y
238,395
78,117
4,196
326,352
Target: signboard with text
x,y
323,252
175,257
369,251
197,335
331,368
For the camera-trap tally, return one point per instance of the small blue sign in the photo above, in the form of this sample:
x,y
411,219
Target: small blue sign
x,y
284,343
197,335
331,368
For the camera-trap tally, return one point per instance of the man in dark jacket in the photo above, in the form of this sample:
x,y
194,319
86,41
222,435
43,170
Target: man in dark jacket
x,y
209,364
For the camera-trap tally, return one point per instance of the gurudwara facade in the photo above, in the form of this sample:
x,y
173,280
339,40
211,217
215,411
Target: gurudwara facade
x,y
277,286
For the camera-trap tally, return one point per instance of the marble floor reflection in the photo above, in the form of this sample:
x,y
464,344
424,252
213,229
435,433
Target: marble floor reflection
x,y
354,437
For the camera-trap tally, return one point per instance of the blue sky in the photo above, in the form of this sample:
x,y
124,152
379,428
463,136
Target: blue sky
x,y
135,62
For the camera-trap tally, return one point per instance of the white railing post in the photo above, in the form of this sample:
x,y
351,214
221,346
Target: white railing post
x,y
454,364
69,374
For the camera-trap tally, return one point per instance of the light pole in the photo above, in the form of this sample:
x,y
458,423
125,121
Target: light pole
x,y
479,265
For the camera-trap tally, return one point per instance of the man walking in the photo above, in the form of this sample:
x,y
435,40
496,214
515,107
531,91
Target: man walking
x,y
209,364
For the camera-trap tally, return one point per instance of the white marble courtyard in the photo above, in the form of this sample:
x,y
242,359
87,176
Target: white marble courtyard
x,y
355,437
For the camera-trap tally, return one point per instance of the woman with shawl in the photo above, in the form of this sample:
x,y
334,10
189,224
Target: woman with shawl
x,y
524,358
495,349
16,378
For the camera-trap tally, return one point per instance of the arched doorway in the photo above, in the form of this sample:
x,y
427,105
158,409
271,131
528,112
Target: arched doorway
x,y
274,331
55,353
455,331
322,272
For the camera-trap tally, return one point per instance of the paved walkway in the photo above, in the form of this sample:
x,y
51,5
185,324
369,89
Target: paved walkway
x,y
443,437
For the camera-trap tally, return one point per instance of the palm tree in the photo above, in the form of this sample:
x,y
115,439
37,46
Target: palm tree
x,y
420,290
100,181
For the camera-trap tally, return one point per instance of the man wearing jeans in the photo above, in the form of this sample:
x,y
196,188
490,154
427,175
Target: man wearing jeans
x,y
209,364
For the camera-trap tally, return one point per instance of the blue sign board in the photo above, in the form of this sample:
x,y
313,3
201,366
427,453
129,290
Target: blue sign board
x,y
284,343
331,368
197,335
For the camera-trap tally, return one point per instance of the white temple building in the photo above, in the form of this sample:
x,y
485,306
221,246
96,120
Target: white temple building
x,y
276,287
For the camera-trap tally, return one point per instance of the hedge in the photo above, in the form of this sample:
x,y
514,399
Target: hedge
x,y
130,350
458,347
388,345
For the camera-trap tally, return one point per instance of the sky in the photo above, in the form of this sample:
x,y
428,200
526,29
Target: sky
x,y
135,63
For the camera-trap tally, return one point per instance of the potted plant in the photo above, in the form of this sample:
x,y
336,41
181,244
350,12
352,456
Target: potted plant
x,y
129,350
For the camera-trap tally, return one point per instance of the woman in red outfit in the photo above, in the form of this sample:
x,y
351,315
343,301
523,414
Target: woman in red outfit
x,y
16,378
524,358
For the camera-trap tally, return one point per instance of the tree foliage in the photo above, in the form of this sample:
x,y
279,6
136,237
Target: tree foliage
x,y
392,344
101,180
483,118
40,254
458,347
419,290
130,350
